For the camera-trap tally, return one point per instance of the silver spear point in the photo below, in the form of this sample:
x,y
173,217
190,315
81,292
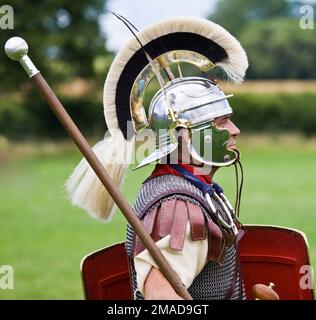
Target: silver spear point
x,y
16,49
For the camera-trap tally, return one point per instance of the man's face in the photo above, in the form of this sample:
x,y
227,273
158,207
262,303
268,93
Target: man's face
x,y
183,154
224,122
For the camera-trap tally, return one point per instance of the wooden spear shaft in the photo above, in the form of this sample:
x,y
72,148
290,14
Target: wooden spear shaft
x,y
16,48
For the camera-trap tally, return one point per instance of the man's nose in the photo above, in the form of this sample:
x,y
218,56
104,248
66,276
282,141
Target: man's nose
x,y
233,129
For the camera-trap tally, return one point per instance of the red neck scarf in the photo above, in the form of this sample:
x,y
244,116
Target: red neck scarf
x,y
162,169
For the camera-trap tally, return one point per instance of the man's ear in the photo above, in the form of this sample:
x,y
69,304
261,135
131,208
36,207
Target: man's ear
x,y
183,135
183,152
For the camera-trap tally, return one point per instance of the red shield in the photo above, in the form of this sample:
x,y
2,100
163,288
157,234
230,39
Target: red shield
x,y
277,255
268,254
105,274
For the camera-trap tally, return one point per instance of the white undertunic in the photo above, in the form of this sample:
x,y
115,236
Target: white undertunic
x,y
187,263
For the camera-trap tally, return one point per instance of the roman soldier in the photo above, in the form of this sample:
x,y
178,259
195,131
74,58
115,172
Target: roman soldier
x,y
182,208
180,205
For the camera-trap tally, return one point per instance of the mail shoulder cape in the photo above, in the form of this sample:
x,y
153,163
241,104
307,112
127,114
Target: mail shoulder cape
x,y
219,274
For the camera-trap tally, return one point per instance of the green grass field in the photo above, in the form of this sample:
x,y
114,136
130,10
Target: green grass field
x,y
44,238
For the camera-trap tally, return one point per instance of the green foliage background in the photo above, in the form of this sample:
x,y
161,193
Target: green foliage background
x,y
64,38
66,43
270,32
254,112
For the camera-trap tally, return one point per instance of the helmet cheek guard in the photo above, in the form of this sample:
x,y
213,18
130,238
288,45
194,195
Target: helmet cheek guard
x,y
209,146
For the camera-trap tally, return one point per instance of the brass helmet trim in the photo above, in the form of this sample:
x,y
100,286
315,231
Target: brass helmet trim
x,y
164,61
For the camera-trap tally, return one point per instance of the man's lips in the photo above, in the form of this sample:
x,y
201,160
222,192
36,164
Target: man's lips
x,y
231,146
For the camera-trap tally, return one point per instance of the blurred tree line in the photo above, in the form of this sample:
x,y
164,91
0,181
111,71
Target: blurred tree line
x,y
271,33
66,43
64,39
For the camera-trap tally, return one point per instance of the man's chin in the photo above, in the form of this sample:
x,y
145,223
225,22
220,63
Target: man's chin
x,y
232,147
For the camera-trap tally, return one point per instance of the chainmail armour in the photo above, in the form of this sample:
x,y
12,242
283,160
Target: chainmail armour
x,y
214,280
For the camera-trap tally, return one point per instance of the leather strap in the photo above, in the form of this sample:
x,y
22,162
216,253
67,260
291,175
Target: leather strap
x,y
148,222
167,212
197,222
180,222
215,241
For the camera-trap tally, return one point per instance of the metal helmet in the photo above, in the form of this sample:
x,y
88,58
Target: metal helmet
x,y
192,102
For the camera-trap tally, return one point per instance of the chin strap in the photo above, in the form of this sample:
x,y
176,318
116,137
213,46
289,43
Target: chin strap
x,y
238,186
